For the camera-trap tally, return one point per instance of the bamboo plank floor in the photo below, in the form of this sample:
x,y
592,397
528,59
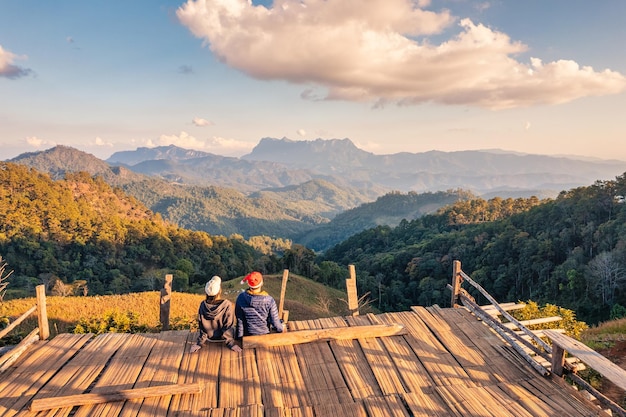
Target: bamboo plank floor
x,y
448,364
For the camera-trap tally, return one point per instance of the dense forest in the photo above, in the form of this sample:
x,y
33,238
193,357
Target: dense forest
x,y
570,251
80,235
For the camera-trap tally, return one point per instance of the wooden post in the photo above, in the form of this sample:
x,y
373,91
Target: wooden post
x,y
456,283
42,313
558,359
353,298
166,295
283,289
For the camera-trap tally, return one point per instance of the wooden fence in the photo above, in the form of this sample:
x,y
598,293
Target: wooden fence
x,y
42,332
532,347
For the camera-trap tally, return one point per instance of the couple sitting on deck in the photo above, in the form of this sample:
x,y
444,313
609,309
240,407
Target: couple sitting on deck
x,y
255,313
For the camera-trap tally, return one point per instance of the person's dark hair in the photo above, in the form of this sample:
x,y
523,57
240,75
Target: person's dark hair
x,y
214,299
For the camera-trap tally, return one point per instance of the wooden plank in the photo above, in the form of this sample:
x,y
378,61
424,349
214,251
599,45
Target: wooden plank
x,y
38,370
182,404
542,320
353,297
323,335
17,321
425,403
588,356
321,374
378,358
493,311
121,395
160,368
388,406
121,372
411,370
283,290
13,355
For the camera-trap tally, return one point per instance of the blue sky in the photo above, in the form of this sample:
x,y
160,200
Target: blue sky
x,y
534,76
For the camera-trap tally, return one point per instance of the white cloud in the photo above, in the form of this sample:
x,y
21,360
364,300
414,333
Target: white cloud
x,y
200,122
301,132
101,142
216,145
8,68
379,51
36,142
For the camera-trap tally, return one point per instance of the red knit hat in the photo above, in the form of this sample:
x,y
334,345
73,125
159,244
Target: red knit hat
x,y
253,279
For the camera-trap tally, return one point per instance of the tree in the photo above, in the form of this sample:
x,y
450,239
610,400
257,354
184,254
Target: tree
x,y
608,276
4,278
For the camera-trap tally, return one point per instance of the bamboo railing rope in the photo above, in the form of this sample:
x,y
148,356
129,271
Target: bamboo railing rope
x,y
474,308
504,313
17,321
492,322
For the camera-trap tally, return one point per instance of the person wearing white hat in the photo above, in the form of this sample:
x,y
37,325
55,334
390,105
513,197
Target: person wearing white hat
x,y
216,318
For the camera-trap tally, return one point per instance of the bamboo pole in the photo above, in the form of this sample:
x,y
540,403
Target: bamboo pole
x,y
122,395
42,313
509,317
538,367
17,321
11,356
456,283
166,296
323,335
353,298
283,290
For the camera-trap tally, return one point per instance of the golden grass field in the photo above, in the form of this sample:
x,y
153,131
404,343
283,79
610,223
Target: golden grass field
x,y
305,299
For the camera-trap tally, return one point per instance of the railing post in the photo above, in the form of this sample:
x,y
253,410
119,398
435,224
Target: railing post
x,y
42,313
456,283
353,298
166,295
281,303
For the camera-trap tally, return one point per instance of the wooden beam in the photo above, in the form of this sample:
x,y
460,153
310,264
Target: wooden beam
x,y
323,335
166,297
42,313
533,321
283,290
456,283
588,356
17,321
12,355
122,395
488,308
353,298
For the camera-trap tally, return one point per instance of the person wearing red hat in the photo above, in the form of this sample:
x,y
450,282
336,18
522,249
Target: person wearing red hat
x,y
255,309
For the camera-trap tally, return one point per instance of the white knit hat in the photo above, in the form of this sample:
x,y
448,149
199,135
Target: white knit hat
x,y
212,287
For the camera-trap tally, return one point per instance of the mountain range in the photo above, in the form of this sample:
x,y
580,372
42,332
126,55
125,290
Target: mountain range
x,y
298,189
284,162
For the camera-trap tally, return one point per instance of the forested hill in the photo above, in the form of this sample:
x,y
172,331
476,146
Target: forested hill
x,y
570,251
387,210
80,231
283,212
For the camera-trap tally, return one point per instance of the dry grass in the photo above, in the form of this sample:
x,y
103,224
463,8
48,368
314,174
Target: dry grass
x,y
605,334
305,299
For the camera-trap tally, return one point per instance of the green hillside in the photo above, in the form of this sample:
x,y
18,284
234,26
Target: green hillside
x,y
388,210
279,212
570,251
80,232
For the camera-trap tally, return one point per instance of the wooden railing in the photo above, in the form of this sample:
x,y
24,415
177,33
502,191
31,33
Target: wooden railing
x,y
42,332
532,347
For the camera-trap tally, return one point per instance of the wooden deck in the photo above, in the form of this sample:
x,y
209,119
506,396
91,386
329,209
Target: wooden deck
x,y
449,364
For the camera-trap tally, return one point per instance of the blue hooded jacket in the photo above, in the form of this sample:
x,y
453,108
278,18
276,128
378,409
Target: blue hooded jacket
x,y
255,313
